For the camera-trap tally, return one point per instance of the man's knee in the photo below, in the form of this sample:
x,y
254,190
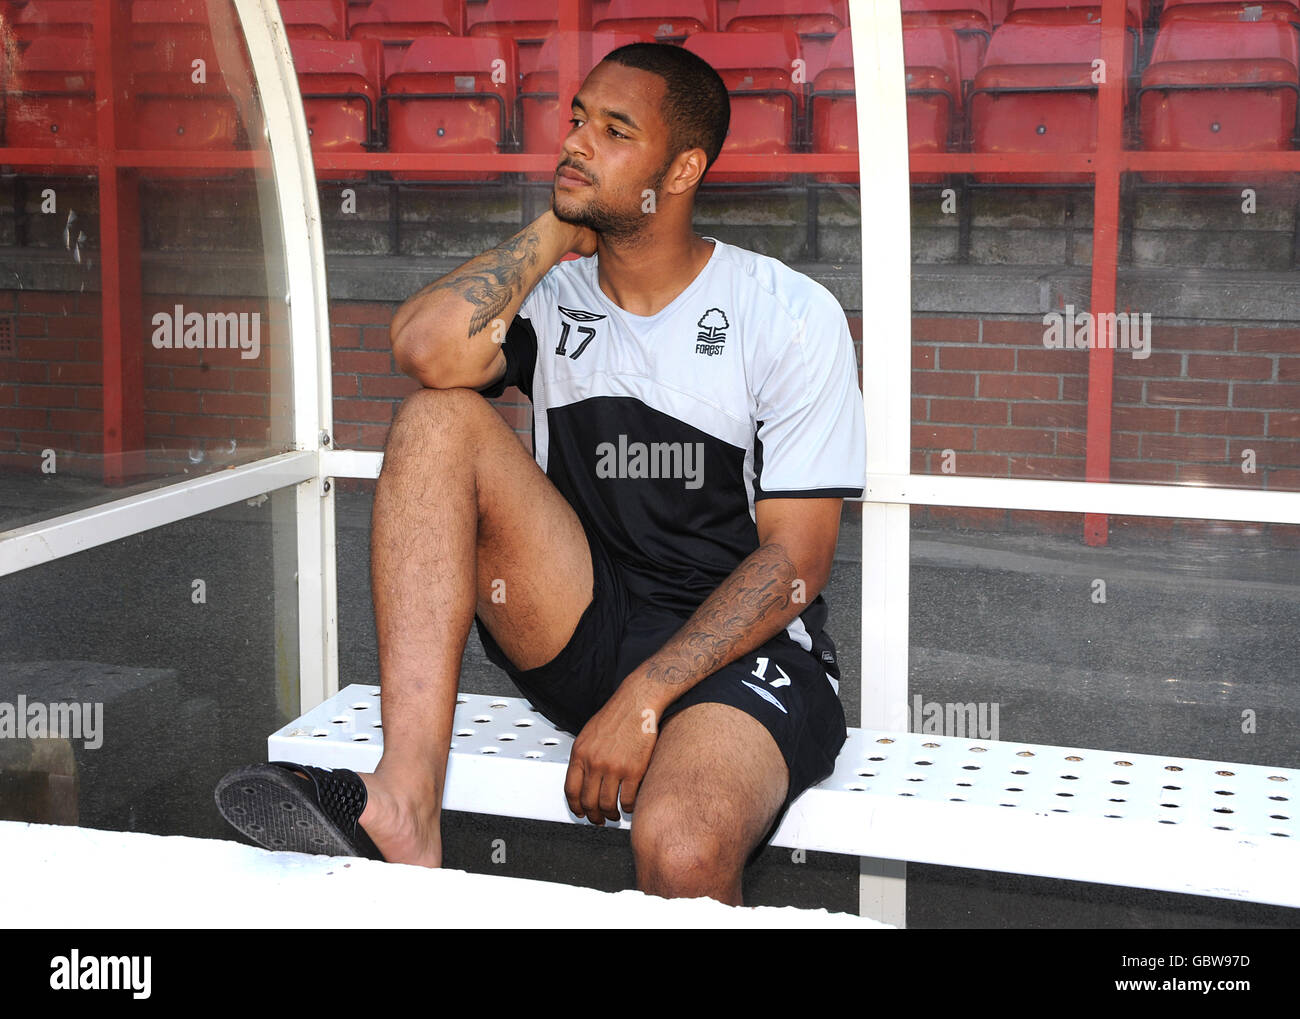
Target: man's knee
x,y
677,855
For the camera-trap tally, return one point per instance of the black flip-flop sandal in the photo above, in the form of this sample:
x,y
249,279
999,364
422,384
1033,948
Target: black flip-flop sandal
x,y
282,811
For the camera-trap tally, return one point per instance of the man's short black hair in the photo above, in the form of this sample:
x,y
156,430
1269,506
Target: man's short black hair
x,y
695,107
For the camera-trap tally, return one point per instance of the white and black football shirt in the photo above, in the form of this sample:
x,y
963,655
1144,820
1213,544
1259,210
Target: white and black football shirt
x,y
662,431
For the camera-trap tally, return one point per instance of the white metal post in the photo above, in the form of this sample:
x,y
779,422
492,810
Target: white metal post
x,y
887,387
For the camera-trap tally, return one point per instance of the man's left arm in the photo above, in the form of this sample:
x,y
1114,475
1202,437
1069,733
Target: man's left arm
x,y
771,586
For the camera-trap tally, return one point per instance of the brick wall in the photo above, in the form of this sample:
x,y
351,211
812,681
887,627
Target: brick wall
x,y
989,400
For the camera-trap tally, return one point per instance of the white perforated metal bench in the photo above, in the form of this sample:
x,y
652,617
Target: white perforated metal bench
x,y
1176,824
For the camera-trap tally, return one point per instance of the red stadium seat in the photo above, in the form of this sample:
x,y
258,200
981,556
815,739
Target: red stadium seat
x,y
815,22
63,18
1220,85
451,95
1036,93
398,23
1073,12
766,104
50,97
527,22
972,20
182,101
934,101
539,100
662,20
315,19
1219,10
339,82
834,106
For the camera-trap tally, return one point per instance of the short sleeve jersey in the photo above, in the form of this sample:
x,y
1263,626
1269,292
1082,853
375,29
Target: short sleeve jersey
x,y
663,431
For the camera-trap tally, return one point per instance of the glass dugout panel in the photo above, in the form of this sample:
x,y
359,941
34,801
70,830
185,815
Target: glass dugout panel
x,y
143,332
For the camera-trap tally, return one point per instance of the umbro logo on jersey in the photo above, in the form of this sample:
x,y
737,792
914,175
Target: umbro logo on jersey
x,y
585,332
713,332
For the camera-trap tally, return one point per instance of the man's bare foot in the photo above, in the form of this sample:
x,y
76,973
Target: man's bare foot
x,y
403,822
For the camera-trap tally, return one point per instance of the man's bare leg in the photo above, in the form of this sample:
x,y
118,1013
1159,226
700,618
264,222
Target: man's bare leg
x,y
460,504
714,786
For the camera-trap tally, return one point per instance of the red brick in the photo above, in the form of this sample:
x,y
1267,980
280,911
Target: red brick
x,y
250,381
75,327
1072,443
945,330
90,397
1043,522
1203,394
90,442
1019,387
47,396
355,436
241,404
345,337
1219,422
30,325
1131,391
973,412
397,386
1052,468
1049,415
922,357
8,300
920,409
1143,419
1004,331
985,359
969,517
1284,535
974,465
158,424
855,327
1288,369
920,462
47,302
1156,366
1272,341
77,421
1284,481
1015,440
1218,476
1143,471
27,418
364,410
90,350
75,372
200,378
1284,396
1165,337
45,350
1267,454
367,363
942,437
221,427
1285,425
1184,447
1137,525
26,371
348,385
178,401
1227,366
943,384
363,313
1052,362
1123,446
377,338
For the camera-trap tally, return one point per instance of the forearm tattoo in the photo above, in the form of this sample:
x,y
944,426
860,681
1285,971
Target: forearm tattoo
x,y
491,281
727,625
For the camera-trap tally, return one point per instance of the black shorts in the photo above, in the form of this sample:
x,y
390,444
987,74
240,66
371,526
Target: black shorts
x,y
783,686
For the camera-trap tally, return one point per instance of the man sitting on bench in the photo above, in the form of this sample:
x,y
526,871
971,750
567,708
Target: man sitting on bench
x,y
651,582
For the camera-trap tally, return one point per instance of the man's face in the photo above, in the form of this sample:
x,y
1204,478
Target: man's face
x,y
616,150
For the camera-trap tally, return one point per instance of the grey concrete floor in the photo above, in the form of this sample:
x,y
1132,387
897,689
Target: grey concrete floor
x,y
1193,632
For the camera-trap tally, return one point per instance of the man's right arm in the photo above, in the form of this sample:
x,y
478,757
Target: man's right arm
x,y
450,333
